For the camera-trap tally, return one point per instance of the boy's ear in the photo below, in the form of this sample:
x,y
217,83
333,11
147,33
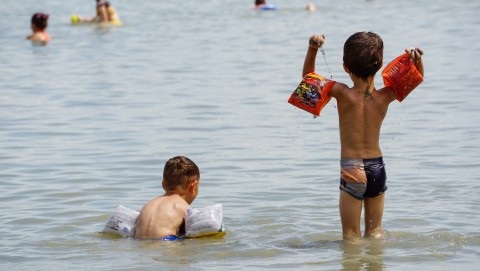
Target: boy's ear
x,y
346,69
192,183
163,185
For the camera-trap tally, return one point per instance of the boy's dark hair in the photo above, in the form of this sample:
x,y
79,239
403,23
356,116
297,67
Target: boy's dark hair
x,y
39,20
363,54
177,171
259,2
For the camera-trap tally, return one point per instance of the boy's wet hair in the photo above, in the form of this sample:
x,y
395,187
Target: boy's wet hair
x,y
259,2
363,54
39,20
177,171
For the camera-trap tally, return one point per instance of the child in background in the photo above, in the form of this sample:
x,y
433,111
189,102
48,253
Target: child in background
x,y
163,217
311,7
112,14
105,13
262,5
361,109
39,24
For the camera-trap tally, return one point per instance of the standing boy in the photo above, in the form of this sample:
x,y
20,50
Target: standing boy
x,y
361,109
163,216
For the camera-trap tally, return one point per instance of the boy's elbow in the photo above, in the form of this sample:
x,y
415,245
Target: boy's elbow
x,y
305,72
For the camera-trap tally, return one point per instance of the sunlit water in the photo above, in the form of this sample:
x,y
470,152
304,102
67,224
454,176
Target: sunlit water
x,y
88,121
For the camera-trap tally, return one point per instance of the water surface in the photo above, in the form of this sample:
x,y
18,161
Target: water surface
x,y
88,121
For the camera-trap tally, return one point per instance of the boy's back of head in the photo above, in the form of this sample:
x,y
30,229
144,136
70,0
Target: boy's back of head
x,y
177,172
363,54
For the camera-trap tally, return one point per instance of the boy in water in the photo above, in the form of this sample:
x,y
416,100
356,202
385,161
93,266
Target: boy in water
x,y
361,109
39,24
163,216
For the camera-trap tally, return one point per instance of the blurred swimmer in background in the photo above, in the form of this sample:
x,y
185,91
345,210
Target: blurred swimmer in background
x,y
105,13
39,24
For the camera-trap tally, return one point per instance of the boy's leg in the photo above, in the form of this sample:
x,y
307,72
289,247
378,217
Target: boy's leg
x,y
373,216
350,212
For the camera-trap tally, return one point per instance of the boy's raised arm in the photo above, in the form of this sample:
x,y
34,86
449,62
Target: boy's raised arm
x,y
315,42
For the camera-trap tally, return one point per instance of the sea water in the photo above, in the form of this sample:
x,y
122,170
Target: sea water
x,y
88,121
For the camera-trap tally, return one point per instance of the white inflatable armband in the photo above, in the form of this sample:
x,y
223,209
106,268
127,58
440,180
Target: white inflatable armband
x,y
204,221
122,222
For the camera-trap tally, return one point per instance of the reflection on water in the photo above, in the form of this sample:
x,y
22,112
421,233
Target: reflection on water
x,y
368,256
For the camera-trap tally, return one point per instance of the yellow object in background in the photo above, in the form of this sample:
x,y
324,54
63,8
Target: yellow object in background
x,y
75,19
116,22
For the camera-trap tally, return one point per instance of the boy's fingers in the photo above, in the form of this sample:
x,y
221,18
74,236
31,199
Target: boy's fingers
x,y
412,55
316,41
415,54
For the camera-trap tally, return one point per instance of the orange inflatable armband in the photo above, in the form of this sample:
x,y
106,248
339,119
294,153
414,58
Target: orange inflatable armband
x,y
311,94
402,76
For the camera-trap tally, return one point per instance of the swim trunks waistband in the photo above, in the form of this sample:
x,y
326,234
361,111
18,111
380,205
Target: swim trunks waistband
x,y
170,238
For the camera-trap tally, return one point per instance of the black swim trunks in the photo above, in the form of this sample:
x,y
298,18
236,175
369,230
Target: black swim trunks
x,y
363,178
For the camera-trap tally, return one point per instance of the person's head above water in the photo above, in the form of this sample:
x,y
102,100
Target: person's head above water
x,y
103,3
40,21
179,172
259,2
363,54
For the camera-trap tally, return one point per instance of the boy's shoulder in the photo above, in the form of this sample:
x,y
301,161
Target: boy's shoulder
x,y
388,92
338,88
166,204
340,85
175,200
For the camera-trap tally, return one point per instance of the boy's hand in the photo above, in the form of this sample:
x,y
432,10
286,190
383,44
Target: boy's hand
x,y
316,41
415,54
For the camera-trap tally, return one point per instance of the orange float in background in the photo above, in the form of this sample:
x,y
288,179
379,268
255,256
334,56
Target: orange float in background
x,y
402,76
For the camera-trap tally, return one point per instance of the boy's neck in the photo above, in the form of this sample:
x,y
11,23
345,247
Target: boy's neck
x,y
179,193
364,87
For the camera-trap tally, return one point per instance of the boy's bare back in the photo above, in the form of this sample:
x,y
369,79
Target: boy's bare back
x,y
361,114
162,216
